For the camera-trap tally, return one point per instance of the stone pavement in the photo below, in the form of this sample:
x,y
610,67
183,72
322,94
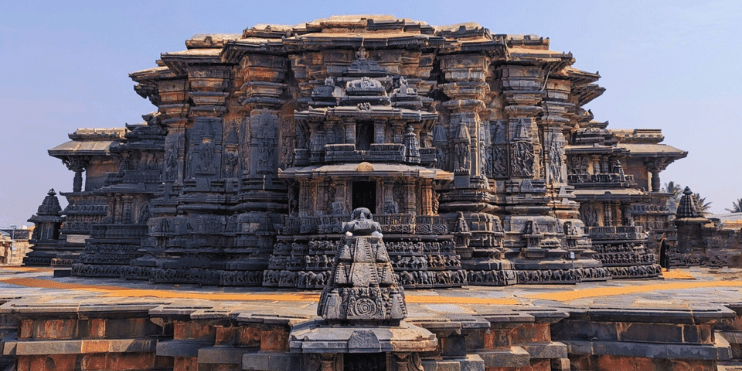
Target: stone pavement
x,y
679,288
690,320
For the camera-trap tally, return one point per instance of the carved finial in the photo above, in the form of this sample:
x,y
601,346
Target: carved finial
x,y
362,53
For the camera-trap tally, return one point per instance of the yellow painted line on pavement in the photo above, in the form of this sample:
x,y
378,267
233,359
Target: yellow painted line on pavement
x,y
116,291
614,291
25,269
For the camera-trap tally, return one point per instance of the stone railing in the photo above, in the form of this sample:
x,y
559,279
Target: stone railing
x,y
379,152
396,223
428,156
142,176
429,224
616,233
118,231
332,223
599,178
390,223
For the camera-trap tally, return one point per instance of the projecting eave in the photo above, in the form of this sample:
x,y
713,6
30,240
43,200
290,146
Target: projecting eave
x,y
556,60
365,169
178,61
156,73
89,142
82,148
653,150
587,93
596,149
579,77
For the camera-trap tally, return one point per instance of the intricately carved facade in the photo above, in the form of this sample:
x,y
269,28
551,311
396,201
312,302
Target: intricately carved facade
x,y
472,150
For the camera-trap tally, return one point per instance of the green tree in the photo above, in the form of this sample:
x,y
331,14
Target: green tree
x,y
677,192
674,188
701,205
736,206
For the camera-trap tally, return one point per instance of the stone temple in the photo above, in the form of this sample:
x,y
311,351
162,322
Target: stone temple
x,y
470,152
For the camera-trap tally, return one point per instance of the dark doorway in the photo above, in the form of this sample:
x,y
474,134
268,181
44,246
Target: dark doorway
x,y
364,135
364,195
364,362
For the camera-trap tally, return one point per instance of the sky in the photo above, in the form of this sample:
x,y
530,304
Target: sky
x,y
671,65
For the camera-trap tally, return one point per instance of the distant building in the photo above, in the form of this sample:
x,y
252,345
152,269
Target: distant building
x,y
15,245
707,240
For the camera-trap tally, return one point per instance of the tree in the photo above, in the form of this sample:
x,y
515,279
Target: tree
x,y
701,205
674,188
677,192
736,206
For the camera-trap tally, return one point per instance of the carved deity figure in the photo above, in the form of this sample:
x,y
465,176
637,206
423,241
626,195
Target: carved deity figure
x,y
461,160
522,159
556,151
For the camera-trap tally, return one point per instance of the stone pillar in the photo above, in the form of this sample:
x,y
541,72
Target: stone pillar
x,y
350,130
305,197
379,131
410,199
398,131
76,164
656,185
426,198
655,165
596,164
77,182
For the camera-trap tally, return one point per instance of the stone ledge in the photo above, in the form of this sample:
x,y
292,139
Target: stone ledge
x,y
548,350
719,351
513,357
472,362
180,348
733,337
221,355
266,361
20,348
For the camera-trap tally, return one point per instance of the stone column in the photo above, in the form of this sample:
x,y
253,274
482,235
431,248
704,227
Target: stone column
x,y
350,130
77,164
379,131
398,131
655,165
426,198
410,197
305,199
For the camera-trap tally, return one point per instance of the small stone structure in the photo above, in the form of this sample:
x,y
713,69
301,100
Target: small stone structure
x,y
472,150
702,241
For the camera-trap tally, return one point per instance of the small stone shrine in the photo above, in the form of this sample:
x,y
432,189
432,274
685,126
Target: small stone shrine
x,y
472,150
362,286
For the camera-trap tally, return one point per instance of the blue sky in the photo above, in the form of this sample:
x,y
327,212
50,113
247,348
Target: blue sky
x,y
673,65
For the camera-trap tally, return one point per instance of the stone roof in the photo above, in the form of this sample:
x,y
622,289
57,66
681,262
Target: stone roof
x,y
89,142
651,150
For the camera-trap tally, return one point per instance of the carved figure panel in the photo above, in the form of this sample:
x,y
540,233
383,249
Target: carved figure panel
x,y
264,129
590,215
521,160
205,148
554,144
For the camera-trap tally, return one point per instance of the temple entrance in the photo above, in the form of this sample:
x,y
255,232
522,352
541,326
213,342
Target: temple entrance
x,y
364,362
364,195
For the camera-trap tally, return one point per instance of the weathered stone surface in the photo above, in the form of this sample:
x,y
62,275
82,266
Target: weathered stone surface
x,y
473,150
